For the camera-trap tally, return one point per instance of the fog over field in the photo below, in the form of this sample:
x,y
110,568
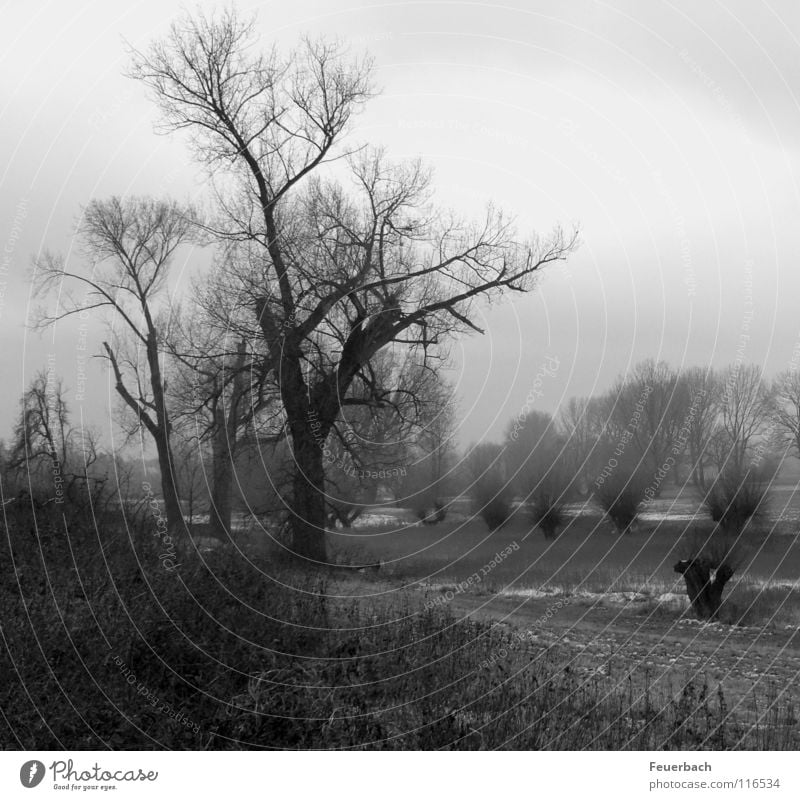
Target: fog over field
x,y
665,131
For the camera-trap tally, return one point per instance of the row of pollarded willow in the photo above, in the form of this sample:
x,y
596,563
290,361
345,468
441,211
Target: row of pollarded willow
x,y
332,272
723,431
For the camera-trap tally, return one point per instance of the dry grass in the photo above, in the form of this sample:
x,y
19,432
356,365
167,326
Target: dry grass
x,y
102,647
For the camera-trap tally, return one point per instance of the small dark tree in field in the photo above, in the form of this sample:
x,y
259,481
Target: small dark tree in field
x,y
491,492
706,570
547,513
735,497
493,501
339,269
536,456
528,448
551,489
620,495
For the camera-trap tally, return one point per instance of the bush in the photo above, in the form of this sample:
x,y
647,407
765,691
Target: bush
x,y
620,494
551,481
736,497
547,513
492,497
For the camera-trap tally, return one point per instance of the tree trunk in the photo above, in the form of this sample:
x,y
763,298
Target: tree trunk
x,y
308,496
169,486
698,473
705,591
224,448
221,483
697,478
309,431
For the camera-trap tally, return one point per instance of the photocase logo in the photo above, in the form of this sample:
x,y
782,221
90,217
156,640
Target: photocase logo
x,y
31,774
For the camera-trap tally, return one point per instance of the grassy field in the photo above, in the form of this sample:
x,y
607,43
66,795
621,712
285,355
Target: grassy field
x,y
588,554
610,608
239,648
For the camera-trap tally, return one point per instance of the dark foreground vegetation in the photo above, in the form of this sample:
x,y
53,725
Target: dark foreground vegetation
x,y
104,647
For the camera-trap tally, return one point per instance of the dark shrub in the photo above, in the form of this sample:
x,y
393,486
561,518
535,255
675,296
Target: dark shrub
x,y
620,495
736,497
547,513
492,498
550,483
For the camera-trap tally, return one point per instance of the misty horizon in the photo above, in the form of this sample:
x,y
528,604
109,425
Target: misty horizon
x,y
672,154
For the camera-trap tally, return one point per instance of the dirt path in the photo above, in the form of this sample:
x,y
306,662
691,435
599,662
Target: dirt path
x,y
621,641
630,645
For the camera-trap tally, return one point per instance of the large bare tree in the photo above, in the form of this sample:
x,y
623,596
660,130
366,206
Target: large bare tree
x,y
338,270
130,243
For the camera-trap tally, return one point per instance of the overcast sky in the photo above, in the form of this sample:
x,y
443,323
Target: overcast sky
x,y
667,131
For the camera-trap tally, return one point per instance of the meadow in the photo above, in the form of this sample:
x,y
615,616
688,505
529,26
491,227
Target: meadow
x,y
589,556
578,643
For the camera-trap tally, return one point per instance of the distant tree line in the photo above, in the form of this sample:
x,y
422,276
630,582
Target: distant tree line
x,y
723,432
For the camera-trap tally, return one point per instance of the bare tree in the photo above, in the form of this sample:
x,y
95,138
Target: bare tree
x,y
46,446
528,441
338,273
132,240
736,497
786,408
535,456
488,484
745,407
647,408
217,394
664,412
702,386
580,421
